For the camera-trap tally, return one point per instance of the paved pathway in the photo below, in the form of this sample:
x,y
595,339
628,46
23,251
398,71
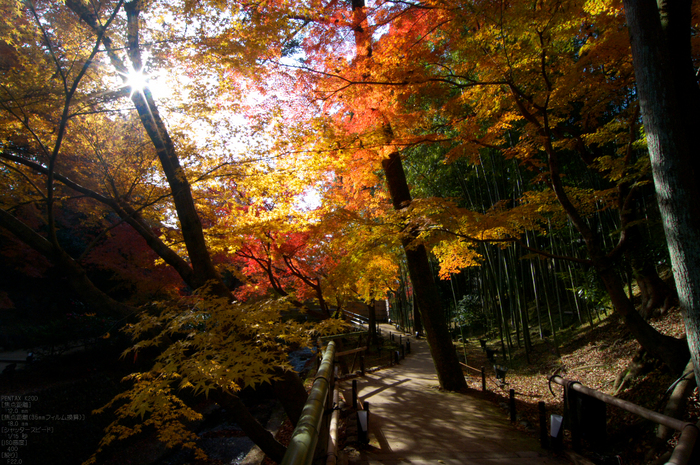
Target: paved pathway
x,y
412,422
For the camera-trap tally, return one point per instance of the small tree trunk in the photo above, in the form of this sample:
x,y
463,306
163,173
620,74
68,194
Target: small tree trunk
x,y
372,324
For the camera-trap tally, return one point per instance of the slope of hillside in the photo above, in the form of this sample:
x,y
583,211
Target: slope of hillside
x,y
594,356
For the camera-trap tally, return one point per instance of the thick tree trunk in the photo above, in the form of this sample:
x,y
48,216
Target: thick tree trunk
x,y
668,93
252,428
425,289
289,390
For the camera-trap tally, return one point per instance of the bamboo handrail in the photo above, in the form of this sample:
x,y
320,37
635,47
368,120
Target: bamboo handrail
x,y
332,449
356,315
305,436
339,336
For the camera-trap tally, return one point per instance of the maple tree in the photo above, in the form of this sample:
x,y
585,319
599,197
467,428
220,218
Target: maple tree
x,y
211,347
328,258
28,132
544,84
336,96
288,264
77,147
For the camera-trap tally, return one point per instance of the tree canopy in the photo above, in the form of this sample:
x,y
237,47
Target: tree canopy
x,y
234,160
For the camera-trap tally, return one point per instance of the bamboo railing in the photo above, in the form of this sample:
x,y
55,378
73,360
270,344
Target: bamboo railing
x,y
302,446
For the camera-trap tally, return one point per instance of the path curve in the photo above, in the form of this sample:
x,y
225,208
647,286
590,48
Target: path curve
x,y
413,422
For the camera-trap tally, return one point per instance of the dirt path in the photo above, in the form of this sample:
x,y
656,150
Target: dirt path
x,y
412,421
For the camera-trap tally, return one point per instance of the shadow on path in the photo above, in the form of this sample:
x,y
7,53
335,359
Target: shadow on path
x,y
412,421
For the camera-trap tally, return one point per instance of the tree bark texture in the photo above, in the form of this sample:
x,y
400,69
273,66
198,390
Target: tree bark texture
x,y
417,324
667,93
425,289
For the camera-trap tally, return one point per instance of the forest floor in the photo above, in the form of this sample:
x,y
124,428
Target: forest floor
x,y
593,356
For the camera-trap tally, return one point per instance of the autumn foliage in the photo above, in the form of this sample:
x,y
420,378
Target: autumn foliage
x,y
254,165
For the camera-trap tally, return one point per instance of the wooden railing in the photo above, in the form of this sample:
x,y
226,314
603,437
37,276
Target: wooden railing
x,y
319,415
584,417
356,318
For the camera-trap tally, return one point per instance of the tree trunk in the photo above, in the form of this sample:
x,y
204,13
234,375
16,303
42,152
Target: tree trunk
x,y
372,323
425,289
670,350
656,294
668,98
252,428
676,407
289,390
75,274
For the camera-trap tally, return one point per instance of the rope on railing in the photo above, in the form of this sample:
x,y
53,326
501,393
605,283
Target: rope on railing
x,y
345,335
471,368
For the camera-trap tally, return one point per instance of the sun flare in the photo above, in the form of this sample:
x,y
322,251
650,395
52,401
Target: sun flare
x,y
137,80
